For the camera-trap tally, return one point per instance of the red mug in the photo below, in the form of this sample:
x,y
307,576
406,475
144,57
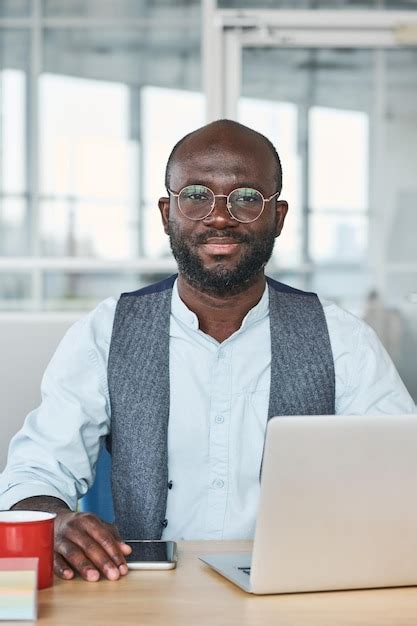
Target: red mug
x,y
29,534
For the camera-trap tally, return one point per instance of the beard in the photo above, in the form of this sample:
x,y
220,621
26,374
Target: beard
x,y
221,280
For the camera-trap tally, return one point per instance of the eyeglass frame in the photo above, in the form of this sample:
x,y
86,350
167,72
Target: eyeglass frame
x,y
228,205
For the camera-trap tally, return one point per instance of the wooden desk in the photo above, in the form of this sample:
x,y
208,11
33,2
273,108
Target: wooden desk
x,y
195,595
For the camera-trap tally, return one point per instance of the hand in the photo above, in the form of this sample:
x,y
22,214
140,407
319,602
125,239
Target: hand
x,y
89,546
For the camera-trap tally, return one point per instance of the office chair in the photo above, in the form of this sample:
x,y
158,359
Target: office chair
x,y
98,499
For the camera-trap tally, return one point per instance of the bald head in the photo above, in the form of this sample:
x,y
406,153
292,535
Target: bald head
x,y
222,134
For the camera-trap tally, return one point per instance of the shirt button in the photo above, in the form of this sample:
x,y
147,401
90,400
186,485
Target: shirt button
x,y
218,483
219,419
222,355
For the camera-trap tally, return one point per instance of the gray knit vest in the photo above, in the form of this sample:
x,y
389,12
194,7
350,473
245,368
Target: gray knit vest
x,y
302,383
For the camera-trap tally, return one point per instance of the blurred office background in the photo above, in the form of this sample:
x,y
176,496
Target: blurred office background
x,y
94,94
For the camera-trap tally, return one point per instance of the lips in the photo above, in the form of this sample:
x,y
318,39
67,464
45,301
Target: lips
x,y
221,245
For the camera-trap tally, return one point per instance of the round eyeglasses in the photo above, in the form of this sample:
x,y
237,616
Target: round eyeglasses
x,y
244,204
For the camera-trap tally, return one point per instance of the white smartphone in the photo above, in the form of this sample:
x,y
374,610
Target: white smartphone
x,y
147,554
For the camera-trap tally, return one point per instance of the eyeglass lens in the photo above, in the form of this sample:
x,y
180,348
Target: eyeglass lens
x,y
196,202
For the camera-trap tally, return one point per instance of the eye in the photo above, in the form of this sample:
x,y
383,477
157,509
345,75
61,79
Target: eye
x,y
247,196
197,196
196,193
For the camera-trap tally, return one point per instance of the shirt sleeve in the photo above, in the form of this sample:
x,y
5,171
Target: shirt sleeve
x,y
367,381
56,451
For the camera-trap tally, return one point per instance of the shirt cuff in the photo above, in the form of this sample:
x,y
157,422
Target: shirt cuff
x,y
15,493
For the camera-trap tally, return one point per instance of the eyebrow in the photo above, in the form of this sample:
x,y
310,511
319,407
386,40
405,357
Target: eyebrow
x,y
239,185
251,184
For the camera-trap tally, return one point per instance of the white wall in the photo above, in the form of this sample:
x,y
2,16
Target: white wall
x,y
27,342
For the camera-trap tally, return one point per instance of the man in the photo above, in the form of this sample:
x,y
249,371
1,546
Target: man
x,y
183,375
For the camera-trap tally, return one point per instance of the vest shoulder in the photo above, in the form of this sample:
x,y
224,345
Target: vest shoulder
x,y
281,287
158,287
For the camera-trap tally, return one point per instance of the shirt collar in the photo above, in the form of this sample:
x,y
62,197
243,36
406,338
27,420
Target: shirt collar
x,y
187,317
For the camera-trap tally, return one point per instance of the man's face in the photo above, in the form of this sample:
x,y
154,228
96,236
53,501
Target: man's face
x,y
220,255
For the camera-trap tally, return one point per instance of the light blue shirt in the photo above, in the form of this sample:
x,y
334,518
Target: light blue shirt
x,y
218,412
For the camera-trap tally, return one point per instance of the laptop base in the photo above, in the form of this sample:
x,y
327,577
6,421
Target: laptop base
x,y
232,565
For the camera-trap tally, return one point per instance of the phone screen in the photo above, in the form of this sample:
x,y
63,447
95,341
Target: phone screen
x,y
150,551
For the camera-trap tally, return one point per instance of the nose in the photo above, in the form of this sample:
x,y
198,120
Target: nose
x,y
220,217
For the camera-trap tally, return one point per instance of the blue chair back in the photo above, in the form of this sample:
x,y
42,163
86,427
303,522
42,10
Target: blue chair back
x,y
98,499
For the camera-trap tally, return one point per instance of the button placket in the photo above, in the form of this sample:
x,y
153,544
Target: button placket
x,y
219,442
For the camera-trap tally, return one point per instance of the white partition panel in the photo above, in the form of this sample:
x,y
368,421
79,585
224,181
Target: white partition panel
x,y
27,344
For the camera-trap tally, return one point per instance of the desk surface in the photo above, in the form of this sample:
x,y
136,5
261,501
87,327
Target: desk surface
x,y
195,595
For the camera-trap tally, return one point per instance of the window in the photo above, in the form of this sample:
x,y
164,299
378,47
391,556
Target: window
x,y
338,184
81,173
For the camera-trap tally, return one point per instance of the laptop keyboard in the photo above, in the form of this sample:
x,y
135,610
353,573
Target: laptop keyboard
x,y
245,570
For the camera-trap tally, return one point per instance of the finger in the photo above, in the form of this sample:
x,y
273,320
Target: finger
x,y
113,530
61,567
125,548
74,555
94,552
104,535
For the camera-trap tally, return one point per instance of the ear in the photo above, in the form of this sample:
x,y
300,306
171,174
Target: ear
x,y
281,209
163,205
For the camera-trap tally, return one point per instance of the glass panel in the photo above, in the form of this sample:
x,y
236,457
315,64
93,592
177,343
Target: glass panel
x,y
87,165
106,136
15,8
14,56
397,231
401,243
120,9
13,227
342,183
76,291
156,54
349,288
140,8
393,314
85,149
408,5
12,102
338,238
14,291
299,280
86,229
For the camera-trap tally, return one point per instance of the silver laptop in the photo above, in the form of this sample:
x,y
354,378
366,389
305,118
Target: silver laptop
x,y
338,507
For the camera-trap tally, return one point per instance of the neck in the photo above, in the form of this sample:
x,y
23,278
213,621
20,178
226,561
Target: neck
x,y
220,316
